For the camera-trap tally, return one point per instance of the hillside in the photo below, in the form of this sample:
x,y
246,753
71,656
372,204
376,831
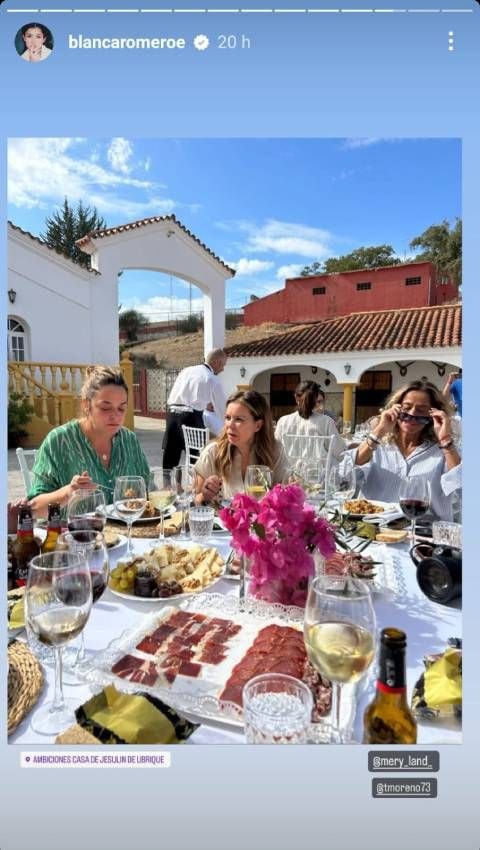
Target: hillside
x,y
185,350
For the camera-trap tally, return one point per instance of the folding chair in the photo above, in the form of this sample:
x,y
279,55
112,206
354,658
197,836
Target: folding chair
x,y
195,440
26,459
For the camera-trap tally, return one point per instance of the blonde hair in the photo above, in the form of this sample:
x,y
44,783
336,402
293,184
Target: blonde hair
x,y
265,445
435,398
97,377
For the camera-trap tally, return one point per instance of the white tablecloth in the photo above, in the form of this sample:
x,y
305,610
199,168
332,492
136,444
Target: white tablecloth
x,y
428,626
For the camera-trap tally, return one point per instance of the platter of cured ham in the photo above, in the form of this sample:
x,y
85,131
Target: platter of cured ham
x,y
199,657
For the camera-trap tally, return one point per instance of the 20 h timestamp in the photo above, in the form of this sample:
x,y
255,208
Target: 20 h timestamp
x,y
231,41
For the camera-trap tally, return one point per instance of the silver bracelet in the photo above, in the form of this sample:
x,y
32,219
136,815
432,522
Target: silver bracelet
x,y
373,438
372,444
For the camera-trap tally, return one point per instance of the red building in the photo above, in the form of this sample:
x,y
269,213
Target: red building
x,y
306,299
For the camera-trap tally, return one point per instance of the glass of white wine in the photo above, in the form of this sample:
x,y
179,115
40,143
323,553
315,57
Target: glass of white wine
x,y
130,498
184,481
339,634
258,481
162,493
58,600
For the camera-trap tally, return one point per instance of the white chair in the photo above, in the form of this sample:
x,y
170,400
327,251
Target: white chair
x,y
195,440
26,459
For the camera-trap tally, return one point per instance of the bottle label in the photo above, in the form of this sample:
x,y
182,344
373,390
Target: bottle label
x,y
387,689
392,670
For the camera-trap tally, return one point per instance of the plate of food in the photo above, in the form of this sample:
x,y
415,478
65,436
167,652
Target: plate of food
x,y
376,569
113,540
366,509
199,657
167,572
15,611
150,514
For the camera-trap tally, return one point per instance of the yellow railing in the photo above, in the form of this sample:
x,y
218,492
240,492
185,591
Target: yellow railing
x,y
53,390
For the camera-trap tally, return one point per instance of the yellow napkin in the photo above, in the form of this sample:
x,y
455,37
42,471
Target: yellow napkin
x,y
116,718
438,692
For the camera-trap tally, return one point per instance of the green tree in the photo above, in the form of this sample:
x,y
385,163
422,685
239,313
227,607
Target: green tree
x,y
131,321
370,257
442,246
68,224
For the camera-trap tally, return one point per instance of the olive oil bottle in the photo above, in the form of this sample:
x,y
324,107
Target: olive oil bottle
x,y
388,719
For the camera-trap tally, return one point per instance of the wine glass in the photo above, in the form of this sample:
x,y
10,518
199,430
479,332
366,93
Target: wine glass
x,y
58,599
162,493
414,498
91,546
311,476
184,480
342,481
258,481
87,510
339,634
130,498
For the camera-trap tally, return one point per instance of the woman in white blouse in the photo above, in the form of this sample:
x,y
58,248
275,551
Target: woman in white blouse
x,y
413,436
247,438
308,420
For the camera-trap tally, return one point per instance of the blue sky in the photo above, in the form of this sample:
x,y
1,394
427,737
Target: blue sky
x,y
265,206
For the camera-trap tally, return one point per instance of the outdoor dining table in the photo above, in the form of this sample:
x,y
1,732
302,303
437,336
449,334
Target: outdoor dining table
x,y
428,627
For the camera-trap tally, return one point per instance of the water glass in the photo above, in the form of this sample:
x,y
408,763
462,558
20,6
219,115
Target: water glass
x,y
200,520
277,709
447,533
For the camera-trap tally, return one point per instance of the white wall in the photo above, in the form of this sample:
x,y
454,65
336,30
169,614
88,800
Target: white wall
x,y
62,305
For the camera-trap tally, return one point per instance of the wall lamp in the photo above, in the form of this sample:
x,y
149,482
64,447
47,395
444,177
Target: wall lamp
x,y
314,370
12,296
170,233
403,367
440,368
347,368
243,371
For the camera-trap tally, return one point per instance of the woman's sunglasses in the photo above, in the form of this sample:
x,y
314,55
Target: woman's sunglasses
x,y
410,417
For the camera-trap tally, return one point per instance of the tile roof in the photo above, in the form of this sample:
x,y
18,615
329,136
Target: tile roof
x,y
420,327
51,248
132,225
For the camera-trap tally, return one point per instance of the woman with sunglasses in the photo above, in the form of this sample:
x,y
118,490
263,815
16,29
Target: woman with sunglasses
x,y
412,436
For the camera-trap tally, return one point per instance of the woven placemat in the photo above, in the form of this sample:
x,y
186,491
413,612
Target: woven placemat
x,y
25,681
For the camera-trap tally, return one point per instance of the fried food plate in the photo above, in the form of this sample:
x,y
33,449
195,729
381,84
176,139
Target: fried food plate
x,y
195,568
112,515
363,508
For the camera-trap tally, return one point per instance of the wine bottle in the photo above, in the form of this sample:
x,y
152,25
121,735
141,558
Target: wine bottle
x,y
24,548
388,719
54,527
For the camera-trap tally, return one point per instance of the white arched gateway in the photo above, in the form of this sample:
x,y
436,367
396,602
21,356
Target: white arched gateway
x,y
162,244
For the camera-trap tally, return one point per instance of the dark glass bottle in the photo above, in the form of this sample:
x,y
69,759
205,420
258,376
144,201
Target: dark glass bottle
x,y
54,527
388,719
24,548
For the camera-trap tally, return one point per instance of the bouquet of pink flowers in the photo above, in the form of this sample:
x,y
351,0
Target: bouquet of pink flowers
x,y
278,535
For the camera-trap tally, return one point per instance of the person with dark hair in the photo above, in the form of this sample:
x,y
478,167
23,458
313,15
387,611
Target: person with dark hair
x,y
92,450
247,438
310,419
412,436
197,389
38,42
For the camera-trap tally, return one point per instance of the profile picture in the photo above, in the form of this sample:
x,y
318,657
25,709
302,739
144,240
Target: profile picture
x,y
34,42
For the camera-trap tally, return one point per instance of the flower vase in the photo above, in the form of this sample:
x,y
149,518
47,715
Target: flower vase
x,y
276,589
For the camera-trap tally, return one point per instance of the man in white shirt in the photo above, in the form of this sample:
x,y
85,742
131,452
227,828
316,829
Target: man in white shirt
x,y
196,389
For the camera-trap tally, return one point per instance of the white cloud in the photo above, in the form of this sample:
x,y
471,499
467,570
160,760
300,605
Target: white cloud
x,y
291,270
280,237
245,267
160,308
119,155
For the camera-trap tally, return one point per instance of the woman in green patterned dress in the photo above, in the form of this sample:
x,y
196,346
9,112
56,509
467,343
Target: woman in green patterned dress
x,y
90,451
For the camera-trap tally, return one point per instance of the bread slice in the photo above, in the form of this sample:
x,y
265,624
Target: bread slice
x,y
392,535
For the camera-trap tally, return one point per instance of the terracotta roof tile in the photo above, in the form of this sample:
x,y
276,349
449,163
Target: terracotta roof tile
x,y
132,225
419,327
50,248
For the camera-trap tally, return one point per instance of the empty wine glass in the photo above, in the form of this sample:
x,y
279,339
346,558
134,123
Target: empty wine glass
x,y
258,481
58,599
130,498
339,634
414,498
87,510
162,493
342,482
184,479
91,546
